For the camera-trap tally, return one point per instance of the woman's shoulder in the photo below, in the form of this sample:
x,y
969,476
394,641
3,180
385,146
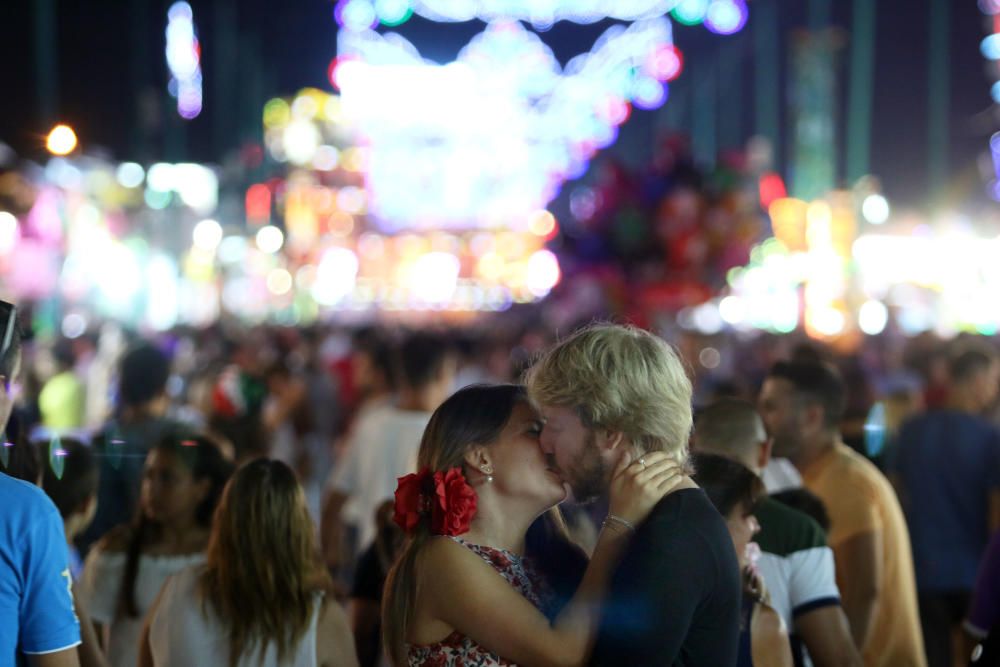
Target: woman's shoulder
x,y
769,638
442,561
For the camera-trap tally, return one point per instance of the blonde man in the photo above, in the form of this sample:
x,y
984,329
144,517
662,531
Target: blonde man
x,y
608,392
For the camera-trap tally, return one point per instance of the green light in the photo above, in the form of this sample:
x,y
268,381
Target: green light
x,y
690,12
400,21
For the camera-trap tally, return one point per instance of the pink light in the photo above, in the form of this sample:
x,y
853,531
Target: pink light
x,y
666,63
335,69
614,110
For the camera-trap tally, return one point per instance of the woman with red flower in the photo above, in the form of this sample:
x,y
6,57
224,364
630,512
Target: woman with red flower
x,y
471,587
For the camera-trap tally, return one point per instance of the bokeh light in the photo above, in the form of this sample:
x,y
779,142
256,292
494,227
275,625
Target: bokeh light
x,y
8,232
270,239
875,209
130,174
725,17
873,317
61,140
207,234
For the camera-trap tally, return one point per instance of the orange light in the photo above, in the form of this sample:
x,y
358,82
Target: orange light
x,y
61,140
542,223
258,203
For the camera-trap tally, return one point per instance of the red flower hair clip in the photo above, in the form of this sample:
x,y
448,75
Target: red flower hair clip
x,y
444,496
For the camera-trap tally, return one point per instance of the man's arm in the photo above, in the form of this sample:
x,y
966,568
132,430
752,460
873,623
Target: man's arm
x,y
827,635
91,654
332,528
65,658
860,558
49,631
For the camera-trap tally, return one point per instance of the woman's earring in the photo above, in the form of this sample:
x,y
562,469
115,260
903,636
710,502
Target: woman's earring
x,y
488,471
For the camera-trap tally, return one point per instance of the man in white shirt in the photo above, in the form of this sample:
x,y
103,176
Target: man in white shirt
x,y
384,444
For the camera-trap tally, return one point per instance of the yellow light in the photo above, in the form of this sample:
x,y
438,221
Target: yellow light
x,y
276,113
61,140
542,223
340,224
279,281
819,218
491,266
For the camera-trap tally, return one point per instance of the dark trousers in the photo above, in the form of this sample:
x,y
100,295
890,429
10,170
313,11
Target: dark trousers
x,y
940,613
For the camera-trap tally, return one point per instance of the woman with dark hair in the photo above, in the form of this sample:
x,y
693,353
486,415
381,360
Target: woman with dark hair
x,y
735,490
483,481
181,484
262,598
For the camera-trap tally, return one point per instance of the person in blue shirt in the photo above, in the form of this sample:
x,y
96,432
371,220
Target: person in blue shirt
x,y
947,471
37,624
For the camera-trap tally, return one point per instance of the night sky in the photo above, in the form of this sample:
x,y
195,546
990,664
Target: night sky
x,y
110,72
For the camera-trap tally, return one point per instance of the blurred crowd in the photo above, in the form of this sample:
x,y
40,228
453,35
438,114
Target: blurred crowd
x,y
134,439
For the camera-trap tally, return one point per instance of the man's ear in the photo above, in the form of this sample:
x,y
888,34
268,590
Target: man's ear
x,y
610,441
814,416
764,453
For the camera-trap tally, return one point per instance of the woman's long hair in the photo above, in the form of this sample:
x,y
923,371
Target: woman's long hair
x,y
204,459
475,415
263,566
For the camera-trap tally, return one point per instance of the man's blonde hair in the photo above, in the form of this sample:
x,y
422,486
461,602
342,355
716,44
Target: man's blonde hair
x,y
619,378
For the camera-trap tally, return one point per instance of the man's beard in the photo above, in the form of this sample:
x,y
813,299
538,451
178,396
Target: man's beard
x,y
589,476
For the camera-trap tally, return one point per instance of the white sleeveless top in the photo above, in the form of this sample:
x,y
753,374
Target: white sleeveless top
x,y
99,588
183,631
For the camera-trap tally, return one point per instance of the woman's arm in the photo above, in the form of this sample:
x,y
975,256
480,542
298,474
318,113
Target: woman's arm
x,y
769,638
91,654
334,641
466,594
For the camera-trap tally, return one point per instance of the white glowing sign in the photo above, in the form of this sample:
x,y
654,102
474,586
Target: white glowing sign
x,y
541,11
488,140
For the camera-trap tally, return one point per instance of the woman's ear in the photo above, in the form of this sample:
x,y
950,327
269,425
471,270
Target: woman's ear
x,y
478,458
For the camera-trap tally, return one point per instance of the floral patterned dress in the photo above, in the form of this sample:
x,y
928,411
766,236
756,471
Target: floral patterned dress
x,y
457,650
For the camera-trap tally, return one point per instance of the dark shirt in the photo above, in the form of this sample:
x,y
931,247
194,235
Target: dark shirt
x,y
675,597
947,463
369,577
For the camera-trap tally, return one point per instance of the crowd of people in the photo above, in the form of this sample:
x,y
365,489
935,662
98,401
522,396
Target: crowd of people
x,y
334,496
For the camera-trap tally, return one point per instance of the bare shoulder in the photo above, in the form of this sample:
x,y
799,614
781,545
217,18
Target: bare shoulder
x,y
769,638
440,551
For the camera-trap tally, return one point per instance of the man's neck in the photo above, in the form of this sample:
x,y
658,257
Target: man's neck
x,y
962,400
813,451
155,409
416,400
